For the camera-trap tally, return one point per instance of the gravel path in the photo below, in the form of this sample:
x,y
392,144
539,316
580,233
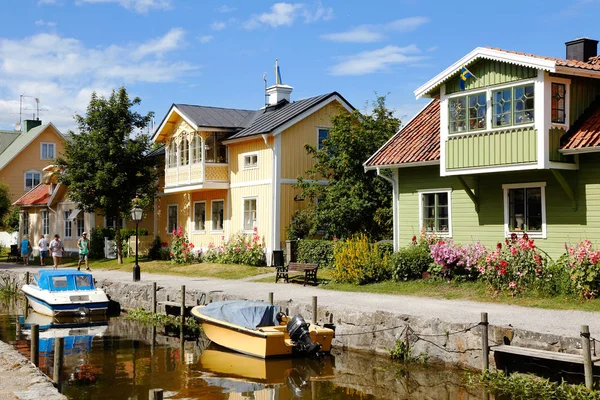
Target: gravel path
x,y
20,379
558,322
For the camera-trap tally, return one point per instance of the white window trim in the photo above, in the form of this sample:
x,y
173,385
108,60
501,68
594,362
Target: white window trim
x,y
53,150
244,213
30,171
244,155
505,188
79,217
194,231
212,230
169,230
105,225
567,83
328,128
431,191
489,105
65,221
47,212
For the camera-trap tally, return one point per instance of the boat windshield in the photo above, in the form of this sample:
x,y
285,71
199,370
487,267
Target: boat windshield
x,y
83,281
60,282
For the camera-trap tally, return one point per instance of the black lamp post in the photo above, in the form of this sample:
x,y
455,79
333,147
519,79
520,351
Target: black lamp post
x,y
136,215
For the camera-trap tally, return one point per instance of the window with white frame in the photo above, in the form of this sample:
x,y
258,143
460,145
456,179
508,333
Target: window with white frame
x,y
45,222
525,208
250,161
80,224
513,106
171,155
435,211
184,151
217,209
68,225
468,113
196,149
249,214
559,92
32,179
322,135
172,218
47,151
25,223
200,216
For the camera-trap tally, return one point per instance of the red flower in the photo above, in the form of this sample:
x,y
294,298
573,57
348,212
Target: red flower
x,y
503,264
499,245
513,237
335,239
414,239
531,244
171,254
525,236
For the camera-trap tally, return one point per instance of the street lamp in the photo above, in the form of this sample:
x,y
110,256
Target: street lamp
x,y
136,214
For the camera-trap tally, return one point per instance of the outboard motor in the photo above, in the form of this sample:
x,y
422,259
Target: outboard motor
x,y
298,330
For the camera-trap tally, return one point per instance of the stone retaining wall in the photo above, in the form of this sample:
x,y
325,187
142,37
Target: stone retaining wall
x,y
363,331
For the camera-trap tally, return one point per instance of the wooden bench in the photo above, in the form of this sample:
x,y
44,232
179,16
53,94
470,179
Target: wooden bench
x,y
310,271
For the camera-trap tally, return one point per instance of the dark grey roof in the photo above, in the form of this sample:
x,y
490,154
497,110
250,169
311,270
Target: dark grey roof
x,y
159,151
217,117
272,117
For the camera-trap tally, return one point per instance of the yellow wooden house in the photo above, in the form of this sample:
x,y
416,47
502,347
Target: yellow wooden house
x,y
230,170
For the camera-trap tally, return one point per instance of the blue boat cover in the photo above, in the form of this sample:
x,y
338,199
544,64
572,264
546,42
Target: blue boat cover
x,y
249,314
60,280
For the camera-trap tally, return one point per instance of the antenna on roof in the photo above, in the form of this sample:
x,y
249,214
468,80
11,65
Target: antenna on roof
x,y
266,95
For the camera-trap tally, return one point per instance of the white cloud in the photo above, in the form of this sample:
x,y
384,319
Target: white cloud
x,y
285,14
218,25
139,6
46,2
41,22
63,72
205,38
379,60
375,33
226,9
169,42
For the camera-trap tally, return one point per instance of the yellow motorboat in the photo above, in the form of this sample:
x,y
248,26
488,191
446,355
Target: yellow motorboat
x,y
261,330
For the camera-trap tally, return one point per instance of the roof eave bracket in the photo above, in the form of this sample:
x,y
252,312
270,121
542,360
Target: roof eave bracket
x,y
566,187
474,198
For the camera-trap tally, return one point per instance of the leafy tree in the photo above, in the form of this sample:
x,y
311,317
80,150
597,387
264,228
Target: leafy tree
x,y
354,201
10,223
5,203
104,165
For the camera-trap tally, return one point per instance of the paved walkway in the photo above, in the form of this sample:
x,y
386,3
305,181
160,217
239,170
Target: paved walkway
x,y
558,322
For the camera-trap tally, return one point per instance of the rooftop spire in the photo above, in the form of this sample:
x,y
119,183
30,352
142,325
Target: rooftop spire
x,y
277,72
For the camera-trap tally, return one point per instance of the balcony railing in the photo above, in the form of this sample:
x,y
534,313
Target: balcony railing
x,y
195,174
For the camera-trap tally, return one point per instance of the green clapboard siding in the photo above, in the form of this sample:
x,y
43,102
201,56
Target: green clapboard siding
x,y
554,136
564,225
583,92
490,73
515,146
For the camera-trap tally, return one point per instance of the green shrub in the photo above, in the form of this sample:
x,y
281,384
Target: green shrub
x,y
410,262
238,249
303,225
126,233
97,241
316,252
556,281
386,247
154,251
359,262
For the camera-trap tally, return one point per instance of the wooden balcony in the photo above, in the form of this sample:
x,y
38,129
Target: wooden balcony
x,y
196,176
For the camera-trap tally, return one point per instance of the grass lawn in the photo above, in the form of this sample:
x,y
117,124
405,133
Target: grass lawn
x,y
475,291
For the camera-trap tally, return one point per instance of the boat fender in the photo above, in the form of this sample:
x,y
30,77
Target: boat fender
x,y
298,330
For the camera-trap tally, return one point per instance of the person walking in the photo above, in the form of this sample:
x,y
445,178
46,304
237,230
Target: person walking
x,y
43,246
25,250
84,249
56,250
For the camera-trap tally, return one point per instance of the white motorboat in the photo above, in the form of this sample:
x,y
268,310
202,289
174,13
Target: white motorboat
x,y
65,292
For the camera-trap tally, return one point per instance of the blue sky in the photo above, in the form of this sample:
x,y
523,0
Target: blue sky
x,y
214,53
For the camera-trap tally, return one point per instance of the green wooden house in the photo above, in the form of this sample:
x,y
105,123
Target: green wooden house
x,y
515,148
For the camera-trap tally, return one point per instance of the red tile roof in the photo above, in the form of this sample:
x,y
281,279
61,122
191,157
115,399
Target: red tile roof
x,y
592,64
418,141
586,131
38,196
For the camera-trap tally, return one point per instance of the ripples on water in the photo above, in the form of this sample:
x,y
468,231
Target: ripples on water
x,y
123,359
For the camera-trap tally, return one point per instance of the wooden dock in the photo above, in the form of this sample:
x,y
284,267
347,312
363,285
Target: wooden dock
x,y
174,308
544,354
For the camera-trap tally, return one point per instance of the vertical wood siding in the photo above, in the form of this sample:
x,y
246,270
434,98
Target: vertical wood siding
x,y
563,224
513,146
490,73
13,174
263,209
554,137
236,161
583,92
289,206
294,159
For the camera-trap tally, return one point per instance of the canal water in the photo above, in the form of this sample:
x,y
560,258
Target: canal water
x,y
122,359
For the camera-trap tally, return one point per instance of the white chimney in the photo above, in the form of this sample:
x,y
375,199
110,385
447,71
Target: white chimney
x,y
279,92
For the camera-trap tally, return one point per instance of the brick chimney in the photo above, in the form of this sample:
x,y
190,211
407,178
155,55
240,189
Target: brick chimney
x,y
581,49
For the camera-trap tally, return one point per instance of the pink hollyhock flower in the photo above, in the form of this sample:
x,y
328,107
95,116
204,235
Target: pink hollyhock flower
x,y
513,251
512,285
171,254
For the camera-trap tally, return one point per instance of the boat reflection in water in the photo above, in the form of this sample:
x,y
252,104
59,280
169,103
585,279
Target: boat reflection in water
x,y
236,373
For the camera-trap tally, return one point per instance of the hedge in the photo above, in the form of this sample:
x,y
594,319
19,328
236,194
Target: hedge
x,y
316,252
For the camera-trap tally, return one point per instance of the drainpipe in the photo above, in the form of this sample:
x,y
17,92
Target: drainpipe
x,y
274,195
395,210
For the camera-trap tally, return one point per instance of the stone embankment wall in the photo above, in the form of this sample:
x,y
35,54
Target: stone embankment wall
x,y
365,331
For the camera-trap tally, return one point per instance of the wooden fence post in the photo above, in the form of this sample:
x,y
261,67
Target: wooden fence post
x,y
27,277
155,394
271,298
485,350
154,297
59,355
314,309
182,306
587,356
35,344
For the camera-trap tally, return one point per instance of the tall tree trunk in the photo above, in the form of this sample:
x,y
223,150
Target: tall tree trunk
x,y
118,238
